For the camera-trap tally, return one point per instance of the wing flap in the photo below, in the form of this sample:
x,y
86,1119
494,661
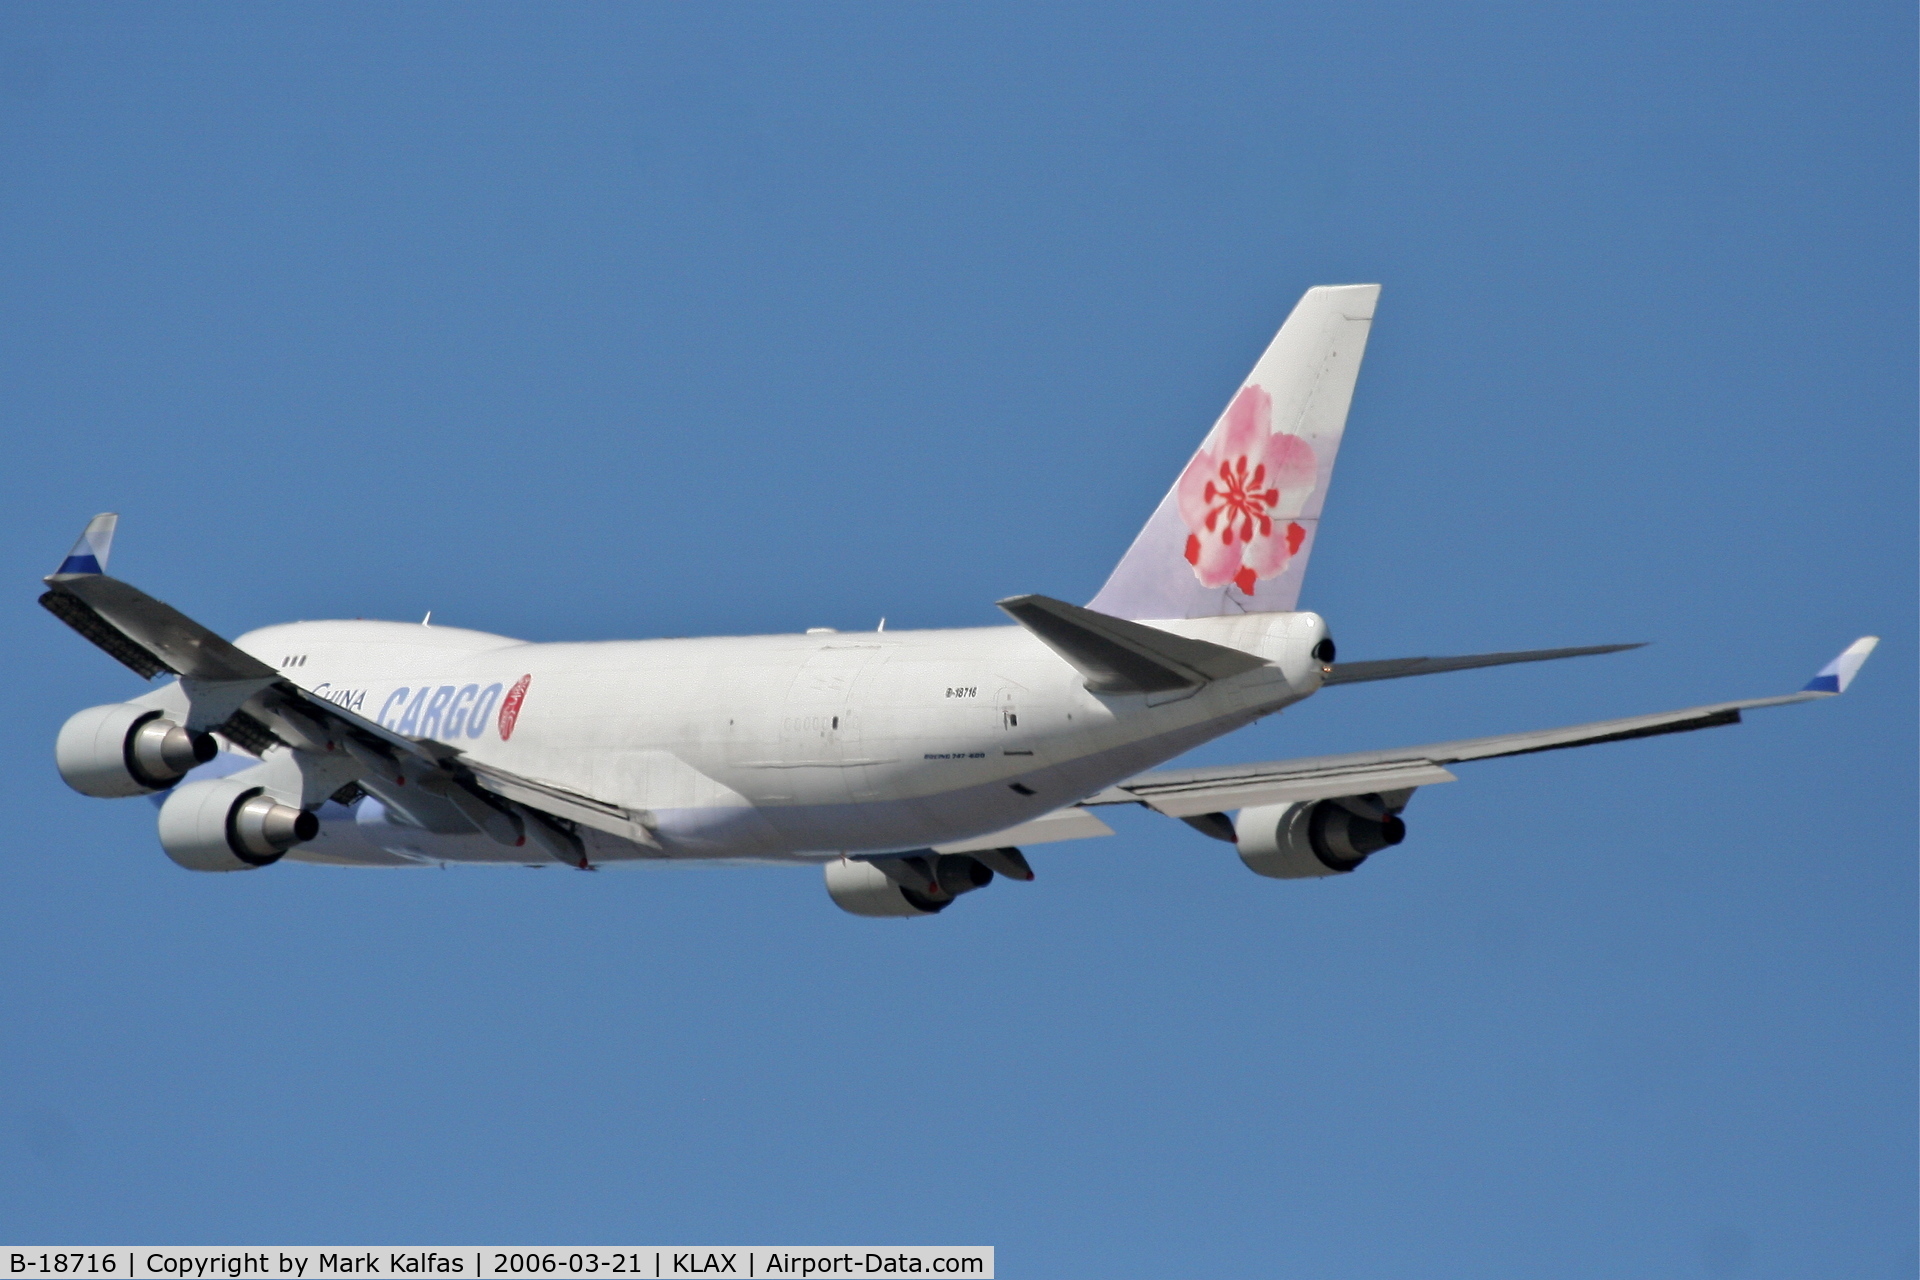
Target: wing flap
x,y
109,639
1181,792
163,632
1070,823
287,693
1256,785
575,806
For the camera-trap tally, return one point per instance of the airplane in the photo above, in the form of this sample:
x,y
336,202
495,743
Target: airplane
x,y
913,766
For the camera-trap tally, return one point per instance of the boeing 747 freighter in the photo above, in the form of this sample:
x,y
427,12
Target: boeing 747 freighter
x,y
913,766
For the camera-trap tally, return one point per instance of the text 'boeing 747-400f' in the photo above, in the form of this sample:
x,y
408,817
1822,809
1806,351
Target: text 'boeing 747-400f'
x,y
911,765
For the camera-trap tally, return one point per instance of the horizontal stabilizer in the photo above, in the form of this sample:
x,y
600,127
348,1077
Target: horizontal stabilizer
x,y
1395,668
1118,656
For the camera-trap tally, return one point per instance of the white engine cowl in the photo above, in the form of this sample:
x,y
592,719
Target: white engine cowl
x,y
1313,838
123,749
860,887
226,824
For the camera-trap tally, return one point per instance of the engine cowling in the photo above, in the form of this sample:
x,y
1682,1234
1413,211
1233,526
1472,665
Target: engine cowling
x,y
1313,838
123,749
865,890
224,824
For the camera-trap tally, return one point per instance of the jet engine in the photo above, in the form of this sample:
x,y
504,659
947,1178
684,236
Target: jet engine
x,y
917,885
225,824
1315,838
123,749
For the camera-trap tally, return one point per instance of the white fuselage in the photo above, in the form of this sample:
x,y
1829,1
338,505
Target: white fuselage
x,y
782,747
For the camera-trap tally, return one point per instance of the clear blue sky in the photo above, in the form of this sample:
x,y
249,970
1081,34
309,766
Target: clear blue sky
x,y
607,321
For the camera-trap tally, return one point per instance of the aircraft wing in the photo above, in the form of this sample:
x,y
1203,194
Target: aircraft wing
x,y
1185,793
1198,793
152,637
251,704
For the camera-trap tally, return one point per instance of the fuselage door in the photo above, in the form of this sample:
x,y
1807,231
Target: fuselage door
x,y
819,727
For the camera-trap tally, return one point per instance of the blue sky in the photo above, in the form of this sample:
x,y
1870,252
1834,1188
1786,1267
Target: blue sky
x,y
591,322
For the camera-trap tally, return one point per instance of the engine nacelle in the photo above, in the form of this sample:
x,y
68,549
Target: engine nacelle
x,y
1313,838
126,750
865,890
225,824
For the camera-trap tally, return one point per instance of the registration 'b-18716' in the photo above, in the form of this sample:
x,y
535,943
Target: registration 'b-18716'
x,y
913,766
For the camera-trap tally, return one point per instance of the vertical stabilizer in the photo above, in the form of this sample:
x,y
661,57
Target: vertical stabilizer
x,y
1234,533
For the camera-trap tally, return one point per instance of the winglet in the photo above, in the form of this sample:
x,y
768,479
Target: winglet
x,y
89,555
1838,674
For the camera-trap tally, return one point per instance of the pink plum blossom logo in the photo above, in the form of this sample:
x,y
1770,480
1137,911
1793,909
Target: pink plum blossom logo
x,y
510,709
1234,495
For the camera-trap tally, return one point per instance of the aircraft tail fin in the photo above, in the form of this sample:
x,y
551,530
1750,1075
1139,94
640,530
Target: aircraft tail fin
x,y
1234,533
